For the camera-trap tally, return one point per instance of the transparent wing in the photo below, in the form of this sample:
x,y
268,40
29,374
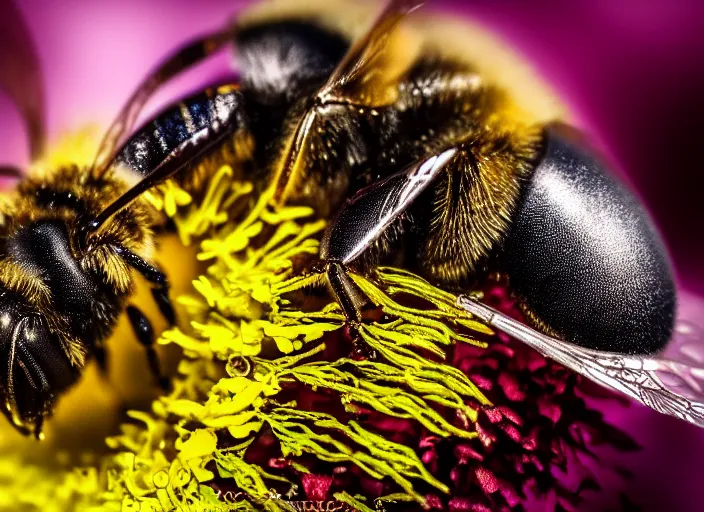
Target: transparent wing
x,y
684,374
671,383
367,76
20,73
369,72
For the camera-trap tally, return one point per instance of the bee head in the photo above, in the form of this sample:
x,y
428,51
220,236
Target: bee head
x,y
47,303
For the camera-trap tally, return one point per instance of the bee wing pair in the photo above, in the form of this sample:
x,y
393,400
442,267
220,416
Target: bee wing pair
x,y
671,383
366,77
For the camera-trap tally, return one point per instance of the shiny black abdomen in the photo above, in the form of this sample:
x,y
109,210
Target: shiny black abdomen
x,y
584,257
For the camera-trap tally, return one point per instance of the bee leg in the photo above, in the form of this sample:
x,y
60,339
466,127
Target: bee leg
x,y
163,302
23,430
142,328
101,359
353,302
10,171
347,294
149,271
367,218
39,427
160,284
182,59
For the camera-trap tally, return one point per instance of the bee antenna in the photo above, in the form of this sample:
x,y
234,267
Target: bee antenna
x,y
122,201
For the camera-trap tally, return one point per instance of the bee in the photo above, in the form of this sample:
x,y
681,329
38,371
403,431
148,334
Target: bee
x,y
416,156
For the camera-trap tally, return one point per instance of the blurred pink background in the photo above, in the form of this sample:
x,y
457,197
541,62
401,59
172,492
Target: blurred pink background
x,y
633,71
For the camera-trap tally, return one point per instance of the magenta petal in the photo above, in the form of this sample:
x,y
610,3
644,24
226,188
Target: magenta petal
x,y
316,487
487,480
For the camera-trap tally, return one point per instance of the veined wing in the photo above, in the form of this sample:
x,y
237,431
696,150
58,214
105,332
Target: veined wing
x,y
369,72
672,383
367,76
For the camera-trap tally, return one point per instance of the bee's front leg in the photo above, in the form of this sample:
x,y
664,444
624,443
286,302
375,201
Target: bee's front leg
x,y
353,301
347,294
144,332
10,171
157,279
364,221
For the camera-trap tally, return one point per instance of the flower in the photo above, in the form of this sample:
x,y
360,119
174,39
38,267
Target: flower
x,y
269,403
